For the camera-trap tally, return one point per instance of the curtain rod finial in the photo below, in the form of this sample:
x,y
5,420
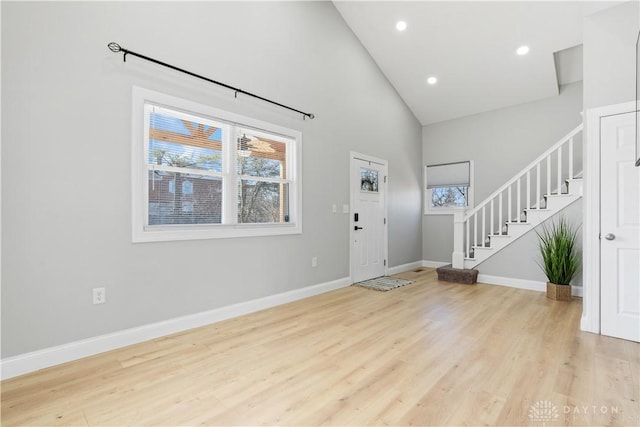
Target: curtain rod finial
x,y
114,47
311,116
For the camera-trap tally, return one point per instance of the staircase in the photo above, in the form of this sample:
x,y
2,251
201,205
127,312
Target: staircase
x,y
543,188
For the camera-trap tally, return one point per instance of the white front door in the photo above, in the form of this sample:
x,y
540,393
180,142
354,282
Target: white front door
x,y
619,228
368,217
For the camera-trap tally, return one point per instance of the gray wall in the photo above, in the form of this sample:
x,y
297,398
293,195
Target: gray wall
x,y
610,54
500,143
66,114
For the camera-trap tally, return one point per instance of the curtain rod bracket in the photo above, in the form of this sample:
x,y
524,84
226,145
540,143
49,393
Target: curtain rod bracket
x,y
115,48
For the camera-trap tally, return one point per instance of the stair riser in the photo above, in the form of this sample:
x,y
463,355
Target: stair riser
x,y
555,203
535,217
575,186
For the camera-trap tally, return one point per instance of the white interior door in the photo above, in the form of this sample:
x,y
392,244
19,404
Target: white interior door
x,y
368,218
620,228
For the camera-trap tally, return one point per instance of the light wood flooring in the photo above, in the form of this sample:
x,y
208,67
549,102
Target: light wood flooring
x,y
430,353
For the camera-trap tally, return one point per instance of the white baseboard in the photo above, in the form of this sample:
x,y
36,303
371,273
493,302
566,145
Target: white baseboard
x,y
404,267
532,285
434,264
33,361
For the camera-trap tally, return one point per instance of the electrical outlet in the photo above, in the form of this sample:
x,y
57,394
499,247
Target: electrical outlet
x,y
345,209
99,296
314,261
334,208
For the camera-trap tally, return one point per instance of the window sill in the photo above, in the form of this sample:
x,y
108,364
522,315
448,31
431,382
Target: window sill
x,y
446,211
176,233
439,212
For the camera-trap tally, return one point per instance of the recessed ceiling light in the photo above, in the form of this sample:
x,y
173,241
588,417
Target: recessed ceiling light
x,y
522,50
432,80
401,26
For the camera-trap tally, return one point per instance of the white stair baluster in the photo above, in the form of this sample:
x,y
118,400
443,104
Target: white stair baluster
x,y
538,186
509,217
500,214
484,235
491,229
528,204
571,158
475,229
464,241
518,200
560,170
548,174
468,240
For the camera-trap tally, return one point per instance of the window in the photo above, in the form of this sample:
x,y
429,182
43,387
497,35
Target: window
x,y
187,187
448,186
263,188
369,180
204,173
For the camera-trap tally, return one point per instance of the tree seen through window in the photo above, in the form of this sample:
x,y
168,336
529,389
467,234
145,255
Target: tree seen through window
x,y
449,196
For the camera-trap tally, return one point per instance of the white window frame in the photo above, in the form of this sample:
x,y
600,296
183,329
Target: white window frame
x,y
430,210
142,232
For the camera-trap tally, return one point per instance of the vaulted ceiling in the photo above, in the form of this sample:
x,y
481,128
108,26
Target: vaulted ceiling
x,y
470,47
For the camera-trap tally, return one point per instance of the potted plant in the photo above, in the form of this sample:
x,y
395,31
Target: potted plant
x,y
560,258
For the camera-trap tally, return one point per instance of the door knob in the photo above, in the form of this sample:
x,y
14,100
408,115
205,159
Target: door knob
x,y
357,228
610,236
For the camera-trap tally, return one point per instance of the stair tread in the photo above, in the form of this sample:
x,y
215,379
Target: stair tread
x,y
561,194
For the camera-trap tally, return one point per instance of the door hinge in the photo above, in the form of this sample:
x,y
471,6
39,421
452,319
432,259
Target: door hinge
x,y
385,220
385,262
385,178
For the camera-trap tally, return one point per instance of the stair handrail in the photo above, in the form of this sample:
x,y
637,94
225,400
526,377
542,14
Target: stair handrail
x,y
523,172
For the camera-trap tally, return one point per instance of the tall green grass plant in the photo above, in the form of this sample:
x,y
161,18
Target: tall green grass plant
x,y
560,258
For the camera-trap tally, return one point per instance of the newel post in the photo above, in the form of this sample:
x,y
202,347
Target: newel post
x,y
457,259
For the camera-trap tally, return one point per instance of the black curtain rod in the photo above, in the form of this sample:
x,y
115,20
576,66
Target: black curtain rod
x,y
115,47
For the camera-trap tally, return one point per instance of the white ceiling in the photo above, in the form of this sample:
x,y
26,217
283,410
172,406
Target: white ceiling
x,y
470,47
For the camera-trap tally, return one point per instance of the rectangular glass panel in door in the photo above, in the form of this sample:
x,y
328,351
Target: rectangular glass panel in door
x,y
369,180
